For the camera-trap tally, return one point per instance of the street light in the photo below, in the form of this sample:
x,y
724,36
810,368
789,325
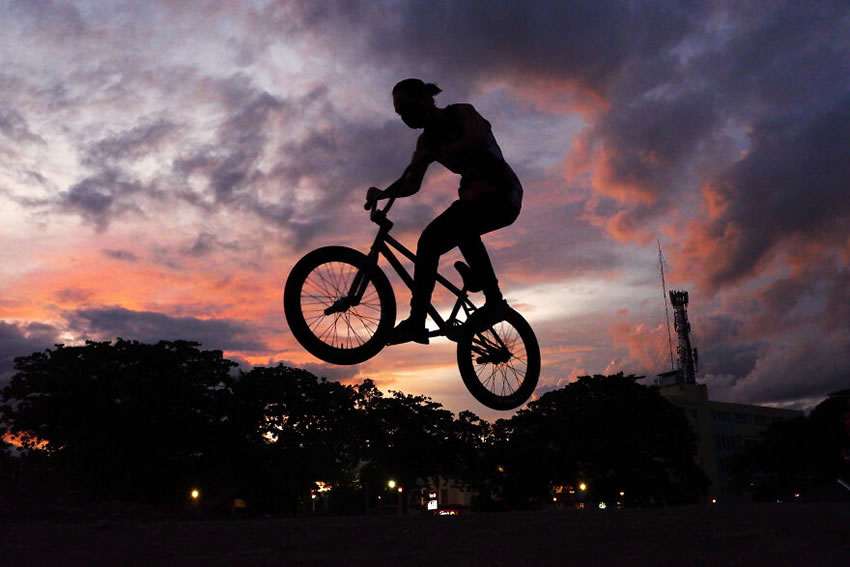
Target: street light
x,y
391,484
582,487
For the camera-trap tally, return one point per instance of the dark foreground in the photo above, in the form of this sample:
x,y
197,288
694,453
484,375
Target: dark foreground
x,y
797,534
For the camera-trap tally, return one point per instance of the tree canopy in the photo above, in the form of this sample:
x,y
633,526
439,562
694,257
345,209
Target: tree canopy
x,y
611,433
146,422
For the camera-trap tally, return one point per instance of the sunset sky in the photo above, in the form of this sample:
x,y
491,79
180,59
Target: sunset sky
x,y
163,165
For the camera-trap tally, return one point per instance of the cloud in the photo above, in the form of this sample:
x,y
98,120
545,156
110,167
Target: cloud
x,y
151,327
586,43
233,136
794,176
131,144
101,197
122,255
806,368
21,340
15,127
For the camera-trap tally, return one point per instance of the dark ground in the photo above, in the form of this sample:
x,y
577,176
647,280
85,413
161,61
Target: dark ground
x,y
751,535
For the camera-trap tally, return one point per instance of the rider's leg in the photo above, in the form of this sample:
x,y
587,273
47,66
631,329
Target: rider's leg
x,y
485,217
462,224
440,236
476,256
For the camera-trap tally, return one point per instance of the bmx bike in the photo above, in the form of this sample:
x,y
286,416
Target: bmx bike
x,y
341,308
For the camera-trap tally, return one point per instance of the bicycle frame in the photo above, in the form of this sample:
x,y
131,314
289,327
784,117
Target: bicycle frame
x,y
383,246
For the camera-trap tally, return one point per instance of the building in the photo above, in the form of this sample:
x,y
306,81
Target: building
x,y
723,429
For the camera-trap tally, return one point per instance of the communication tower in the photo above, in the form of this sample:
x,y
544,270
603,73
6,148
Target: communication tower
x,y
687,355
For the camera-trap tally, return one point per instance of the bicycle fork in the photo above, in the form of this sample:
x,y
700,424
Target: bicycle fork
x,y
353,297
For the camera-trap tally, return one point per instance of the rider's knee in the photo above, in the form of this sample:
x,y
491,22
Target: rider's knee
x,y
428,241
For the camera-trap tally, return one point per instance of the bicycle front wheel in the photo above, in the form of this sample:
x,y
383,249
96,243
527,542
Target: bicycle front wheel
x,y
331,319
500,365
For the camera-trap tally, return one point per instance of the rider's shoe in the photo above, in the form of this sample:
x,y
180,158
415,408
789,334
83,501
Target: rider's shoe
x,y
409,331
488,314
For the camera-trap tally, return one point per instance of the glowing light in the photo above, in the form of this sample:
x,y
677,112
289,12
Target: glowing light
x,y
391,484
582,487
622,493
602,505
195,494
714,500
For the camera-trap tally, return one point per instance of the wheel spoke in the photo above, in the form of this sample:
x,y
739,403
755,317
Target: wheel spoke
x,y
500,360
326,284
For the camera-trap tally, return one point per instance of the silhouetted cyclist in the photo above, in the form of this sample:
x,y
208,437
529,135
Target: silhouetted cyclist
x,y
489,196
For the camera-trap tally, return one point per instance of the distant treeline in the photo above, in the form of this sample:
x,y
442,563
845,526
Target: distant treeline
x,y
148,423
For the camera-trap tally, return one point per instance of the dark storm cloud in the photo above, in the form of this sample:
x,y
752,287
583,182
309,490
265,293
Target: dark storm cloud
x,y
796,176
21,340
147,326
679,78
735,358
808,367
587,42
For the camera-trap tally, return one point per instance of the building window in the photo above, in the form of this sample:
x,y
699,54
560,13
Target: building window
x,y
721,416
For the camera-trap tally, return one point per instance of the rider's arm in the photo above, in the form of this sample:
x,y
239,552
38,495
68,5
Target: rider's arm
x,y
411,180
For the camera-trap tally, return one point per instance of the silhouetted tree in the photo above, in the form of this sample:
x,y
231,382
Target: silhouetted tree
x,y
471,443
305,429
124,419
798,455
405,438
608,431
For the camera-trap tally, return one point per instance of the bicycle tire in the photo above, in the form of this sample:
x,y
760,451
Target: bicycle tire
x,y
506,382
322,277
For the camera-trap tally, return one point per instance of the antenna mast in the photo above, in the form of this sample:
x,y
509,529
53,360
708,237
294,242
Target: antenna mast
x,y
666,307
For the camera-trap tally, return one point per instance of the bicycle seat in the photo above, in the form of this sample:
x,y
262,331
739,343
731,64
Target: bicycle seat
x,y
470,280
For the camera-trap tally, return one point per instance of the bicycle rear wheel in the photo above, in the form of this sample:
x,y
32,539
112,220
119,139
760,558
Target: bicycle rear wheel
x,y
500,365
323,317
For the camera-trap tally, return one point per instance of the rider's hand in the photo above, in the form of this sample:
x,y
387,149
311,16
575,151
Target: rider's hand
x,y
372,196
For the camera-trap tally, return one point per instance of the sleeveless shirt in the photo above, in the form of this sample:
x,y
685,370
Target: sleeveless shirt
x,y
480,164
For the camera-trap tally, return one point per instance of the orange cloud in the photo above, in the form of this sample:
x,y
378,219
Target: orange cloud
x,y
558,95
647,346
